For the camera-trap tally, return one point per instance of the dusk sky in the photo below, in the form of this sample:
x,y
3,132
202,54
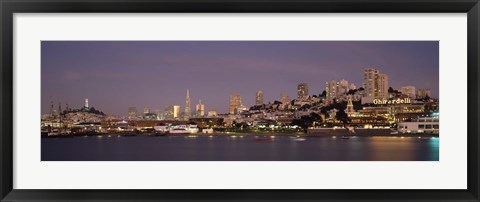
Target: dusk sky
x,y
115,75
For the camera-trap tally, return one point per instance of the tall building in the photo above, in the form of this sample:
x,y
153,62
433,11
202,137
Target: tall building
x,y
187,106
86,103
375,83
370,84
158,113
132,112
382,86
284,98
176,111
342,87
146,110
51,106
259,98
59,108
235,102
302,91
331,89
422,93
409,91
169,111
200,109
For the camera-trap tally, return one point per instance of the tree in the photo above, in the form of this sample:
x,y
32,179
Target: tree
x,y
324,94
351,92
390,90
342,116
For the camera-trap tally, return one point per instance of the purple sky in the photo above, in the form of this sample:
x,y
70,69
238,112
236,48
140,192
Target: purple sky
x,y
114,75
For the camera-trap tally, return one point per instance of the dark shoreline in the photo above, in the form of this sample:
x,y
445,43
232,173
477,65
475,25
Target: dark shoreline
x,y
230,134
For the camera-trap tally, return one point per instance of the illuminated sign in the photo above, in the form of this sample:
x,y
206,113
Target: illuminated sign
x,y
390,102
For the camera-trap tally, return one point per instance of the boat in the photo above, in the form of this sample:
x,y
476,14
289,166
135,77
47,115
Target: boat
x,y
263,140
300,139
178,131
345,137
183,129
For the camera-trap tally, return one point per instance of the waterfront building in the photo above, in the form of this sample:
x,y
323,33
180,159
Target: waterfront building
x,y
208,122
235,102
409,91
259,98
187,113
407,108
146,110
132,112
350,110
375,83
200,109
302,91
422,93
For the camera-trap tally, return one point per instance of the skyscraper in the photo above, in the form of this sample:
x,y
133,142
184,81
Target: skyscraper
x,y
187,106
331,89
302,91
375,83
259,98
86,103
59,108
158,113
132,112
146,110
342,87
176,111
168,115
51,105
382,86
284,98
200,109
370,78
235,102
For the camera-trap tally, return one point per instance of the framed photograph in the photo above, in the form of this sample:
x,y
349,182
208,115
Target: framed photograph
x,y
239,100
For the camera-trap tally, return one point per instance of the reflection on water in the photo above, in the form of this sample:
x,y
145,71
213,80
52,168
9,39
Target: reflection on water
x,y
227,148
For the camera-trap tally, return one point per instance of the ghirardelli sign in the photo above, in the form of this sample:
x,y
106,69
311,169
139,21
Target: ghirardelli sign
x,y
391,101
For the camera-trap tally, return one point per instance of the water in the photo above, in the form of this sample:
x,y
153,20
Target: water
x,y
226,148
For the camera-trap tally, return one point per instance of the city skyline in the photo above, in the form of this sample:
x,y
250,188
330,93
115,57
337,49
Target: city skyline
x,y
117,75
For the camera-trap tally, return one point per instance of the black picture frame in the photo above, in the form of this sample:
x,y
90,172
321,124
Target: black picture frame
x,y
10,7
